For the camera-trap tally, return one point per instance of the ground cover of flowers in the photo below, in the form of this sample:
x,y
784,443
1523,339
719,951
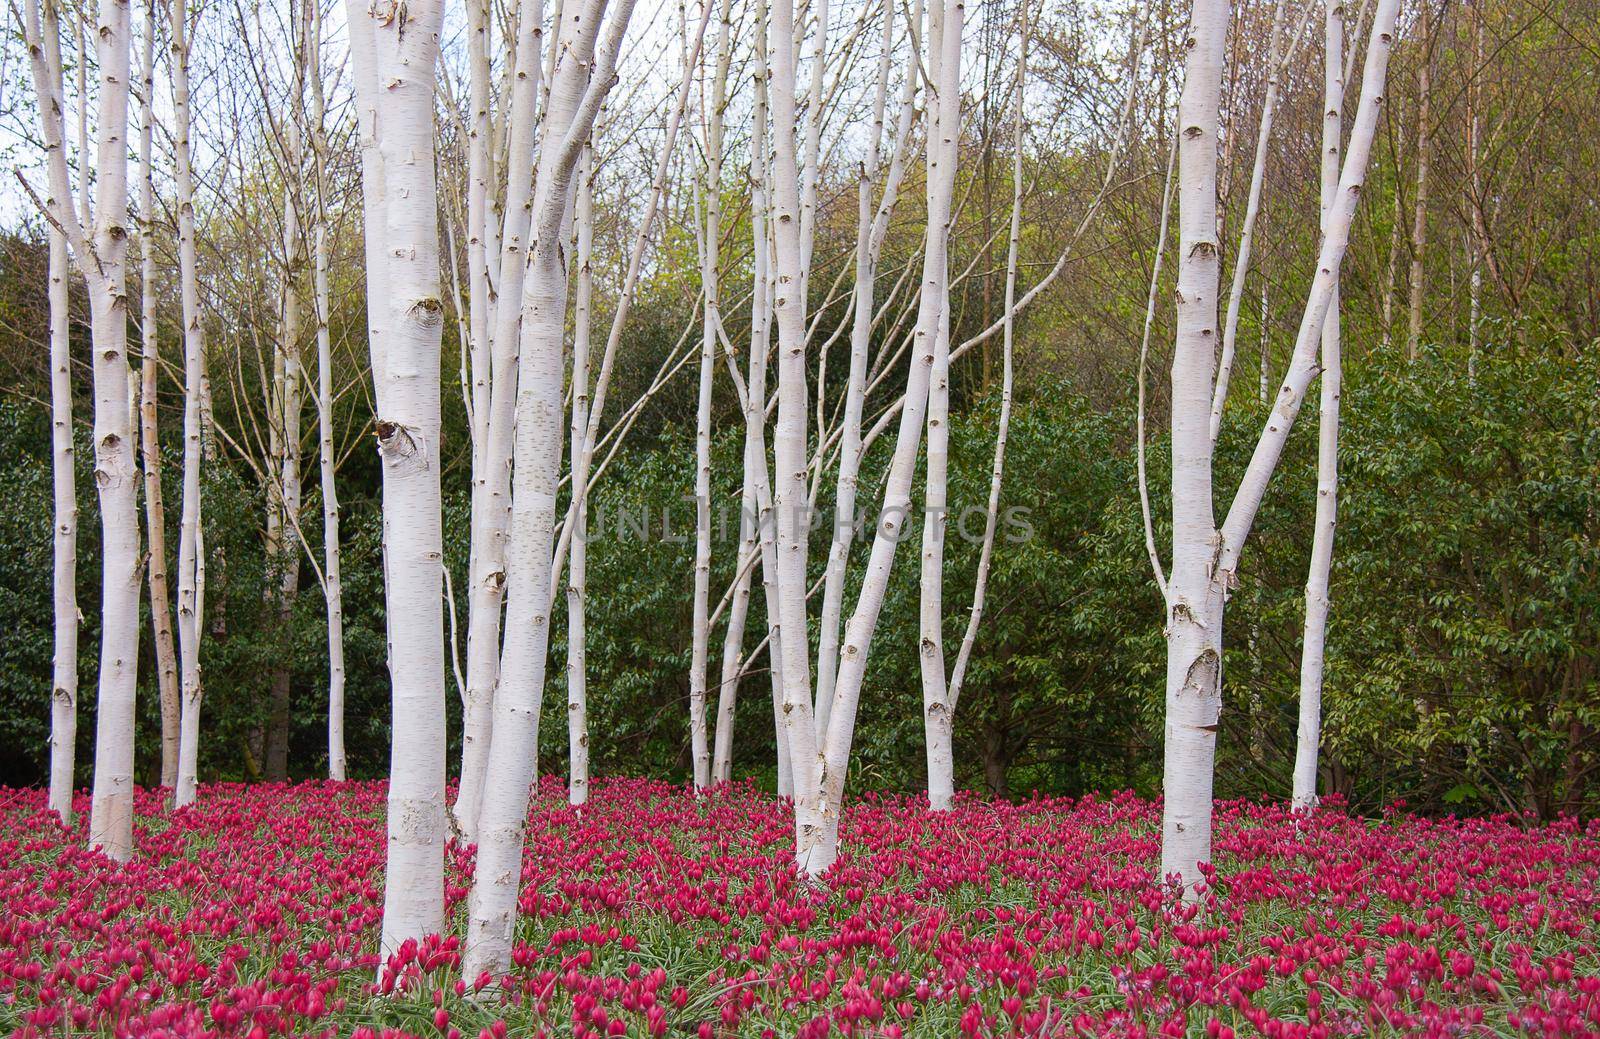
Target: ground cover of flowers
x,y
654,913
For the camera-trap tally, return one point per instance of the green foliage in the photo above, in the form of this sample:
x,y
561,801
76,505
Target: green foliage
x,y
1461,661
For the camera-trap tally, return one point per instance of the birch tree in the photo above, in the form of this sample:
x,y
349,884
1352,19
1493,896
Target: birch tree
x,y
872,227
820,763
1313,646
150,437
582,75
578,567
332,583
492,481
393,51
755,504
1205,558
99,250
711,237
191,561
64,669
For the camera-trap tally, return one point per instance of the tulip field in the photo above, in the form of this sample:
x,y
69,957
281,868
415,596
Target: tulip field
x,y
656,913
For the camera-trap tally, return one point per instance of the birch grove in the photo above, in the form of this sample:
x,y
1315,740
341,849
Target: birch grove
x,y
640,335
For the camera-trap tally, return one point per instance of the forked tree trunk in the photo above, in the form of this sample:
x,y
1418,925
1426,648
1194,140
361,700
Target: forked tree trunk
x,y
491,501
1241,267
1205,558
872,227
820,765
580,81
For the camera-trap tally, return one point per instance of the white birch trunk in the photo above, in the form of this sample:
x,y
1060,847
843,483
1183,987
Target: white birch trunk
x,y
1241,266
700,642
819,781
980,587
150,439
578,568
576,93
332,584
190,552
871,228
1205,560
491,511
103,261
1313,646
937,712
64,670
1194,611
405,322
790,499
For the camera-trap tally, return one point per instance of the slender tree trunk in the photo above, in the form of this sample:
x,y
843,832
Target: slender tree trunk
x,y
937,712
578,568
191,555
332,584
1475,187
1194,610
790,453
1205,558
699,748
150,439
1419,205
871,229
1276,59
1313,645
103,265
1264,389
64,671
755,507
821,767
287,402
491,509
405,320
980,587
